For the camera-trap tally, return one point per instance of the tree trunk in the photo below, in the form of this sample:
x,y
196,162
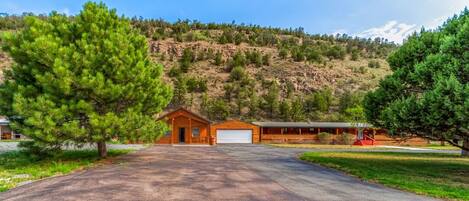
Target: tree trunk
x,y
442,143
102,151
465,144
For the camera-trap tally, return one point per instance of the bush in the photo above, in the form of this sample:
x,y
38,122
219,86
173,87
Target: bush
x,y
283,53
336,52
238,60
325,138
355,55
237,74
174,71
266,59
374,64
218,59
346,138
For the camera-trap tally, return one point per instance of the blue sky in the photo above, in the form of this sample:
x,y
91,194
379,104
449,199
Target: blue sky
x,y
392,19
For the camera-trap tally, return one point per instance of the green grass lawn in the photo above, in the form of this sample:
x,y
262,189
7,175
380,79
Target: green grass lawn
x,y
439,147
438,175
326,146
16,167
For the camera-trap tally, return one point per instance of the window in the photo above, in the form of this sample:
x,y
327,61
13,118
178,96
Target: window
x,y
168,133
195,132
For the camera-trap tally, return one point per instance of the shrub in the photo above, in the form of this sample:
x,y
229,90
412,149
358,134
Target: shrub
x,y
325,138
283,53
361,70
174,71
218,59
238,60
266,59
336,52
374,64
355,55
346,138
237,73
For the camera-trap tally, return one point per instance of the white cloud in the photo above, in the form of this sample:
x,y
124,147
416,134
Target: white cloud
x,y
398,31
392,30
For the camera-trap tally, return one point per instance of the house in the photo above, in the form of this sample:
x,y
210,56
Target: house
x,y
6,133
190,128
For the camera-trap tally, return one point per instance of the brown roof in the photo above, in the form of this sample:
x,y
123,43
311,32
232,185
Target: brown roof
x,y
186,110
311,124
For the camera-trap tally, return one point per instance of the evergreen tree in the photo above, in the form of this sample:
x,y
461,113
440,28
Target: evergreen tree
x,y
180,92
218,59
86,79
271,100
283,53
266,59
186,60
284,110
428,93
237,74
297,112
253,105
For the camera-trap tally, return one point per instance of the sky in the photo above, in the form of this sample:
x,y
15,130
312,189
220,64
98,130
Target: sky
x,y
391,19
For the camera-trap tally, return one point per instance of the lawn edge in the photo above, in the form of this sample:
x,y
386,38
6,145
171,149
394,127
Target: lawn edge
x,y
98,163
369,181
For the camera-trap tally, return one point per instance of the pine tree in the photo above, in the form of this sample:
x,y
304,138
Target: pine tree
x,y
218,59
271,100
180,92
284,110
297,112
82,80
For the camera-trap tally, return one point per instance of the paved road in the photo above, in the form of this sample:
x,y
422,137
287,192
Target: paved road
x,y
308,180
160,173
225,172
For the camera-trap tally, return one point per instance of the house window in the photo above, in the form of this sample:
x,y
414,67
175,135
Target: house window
x,y
168,133
195,132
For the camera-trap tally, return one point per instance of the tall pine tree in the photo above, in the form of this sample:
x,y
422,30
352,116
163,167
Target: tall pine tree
x,y
85,79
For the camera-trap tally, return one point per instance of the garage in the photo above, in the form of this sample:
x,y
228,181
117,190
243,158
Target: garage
x,y
234,131
234,136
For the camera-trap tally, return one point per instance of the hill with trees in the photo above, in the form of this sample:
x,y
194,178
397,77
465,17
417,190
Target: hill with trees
x,y
257,73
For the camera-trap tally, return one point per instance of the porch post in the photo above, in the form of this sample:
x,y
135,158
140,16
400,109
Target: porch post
x,y
261,132
319,130
337,131
190,130
172,130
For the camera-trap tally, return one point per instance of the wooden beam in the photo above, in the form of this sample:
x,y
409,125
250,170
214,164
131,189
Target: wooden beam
x,y
172,130
190,130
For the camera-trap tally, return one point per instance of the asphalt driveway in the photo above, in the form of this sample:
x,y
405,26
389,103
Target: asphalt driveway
x,y
160,173
225,172
310,181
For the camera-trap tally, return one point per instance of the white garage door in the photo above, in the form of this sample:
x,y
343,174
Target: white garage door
x,y
234,136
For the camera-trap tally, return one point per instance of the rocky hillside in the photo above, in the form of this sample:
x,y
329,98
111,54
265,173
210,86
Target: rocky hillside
x,y
250,72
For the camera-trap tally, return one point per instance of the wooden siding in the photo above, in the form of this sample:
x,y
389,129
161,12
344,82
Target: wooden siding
x,y
292,135
235,125
184,119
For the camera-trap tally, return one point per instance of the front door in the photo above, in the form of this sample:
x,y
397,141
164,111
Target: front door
x,y
182,135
